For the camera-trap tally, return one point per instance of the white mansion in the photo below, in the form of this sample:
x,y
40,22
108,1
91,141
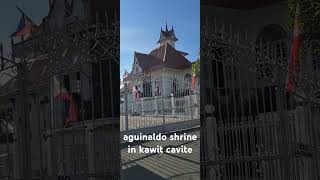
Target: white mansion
x,y
163,71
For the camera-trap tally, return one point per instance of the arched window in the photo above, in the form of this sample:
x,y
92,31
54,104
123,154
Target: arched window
x,y
271,48
174,86
157,91
187,81
187,77
271,43
147,88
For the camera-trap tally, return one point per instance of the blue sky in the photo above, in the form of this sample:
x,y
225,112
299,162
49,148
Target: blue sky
x,y
10,16
141,21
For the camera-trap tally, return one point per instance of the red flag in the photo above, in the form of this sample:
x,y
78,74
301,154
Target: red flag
x,y
194,80
294,55
62,94
73,112
25,27
125,75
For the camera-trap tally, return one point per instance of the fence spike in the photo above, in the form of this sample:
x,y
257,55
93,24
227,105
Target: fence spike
x,y
115,16
107,18
97,18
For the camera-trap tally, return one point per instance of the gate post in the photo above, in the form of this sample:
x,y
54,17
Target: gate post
x,y
90,149
24,121
190,103
162,100
311,129
133,105
16,142
48,133
284,129
49,152
173,106
156,104
126,106
196,106
142,106
211,135
16,157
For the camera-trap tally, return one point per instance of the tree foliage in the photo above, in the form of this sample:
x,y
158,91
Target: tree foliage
x,y
196,67
310,14
310,19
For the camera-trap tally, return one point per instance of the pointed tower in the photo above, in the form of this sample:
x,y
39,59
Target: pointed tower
x,y
167,36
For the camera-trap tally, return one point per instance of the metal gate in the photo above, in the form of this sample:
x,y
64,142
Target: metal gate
x,y
83,59
161,100
250,127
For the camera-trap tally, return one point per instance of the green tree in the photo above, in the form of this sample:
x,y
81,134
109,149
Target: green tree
x,y
310,15
310,19
196,67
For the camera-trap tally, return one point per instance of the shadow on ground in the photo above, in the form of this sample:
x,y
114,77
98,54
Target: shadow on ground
x,y
138,172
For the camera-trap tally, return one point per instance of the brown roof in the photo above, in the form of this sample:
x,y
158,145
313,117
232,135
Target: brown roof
x,y
147,61
163,56
158,52
183,53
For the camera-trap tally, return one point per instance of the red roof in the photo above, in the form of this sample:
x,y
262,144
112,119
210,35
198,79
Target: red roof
x,y
163,56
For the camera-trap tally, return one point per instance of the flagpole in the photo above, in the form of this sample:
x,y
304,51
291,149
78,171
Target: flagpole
x,y
1,56
49,130
20,10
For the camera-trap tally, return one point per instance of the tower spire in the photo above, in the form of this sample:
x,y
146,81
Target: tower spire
x,y
166,26
167,36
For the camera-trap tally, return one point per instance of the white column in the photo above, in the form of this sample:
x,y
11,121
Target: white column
x,y
49,152
188,107
211,135
16,157
196,105
156,105
90,150
133,105
16,148
173,106
126,106
142,106
50,126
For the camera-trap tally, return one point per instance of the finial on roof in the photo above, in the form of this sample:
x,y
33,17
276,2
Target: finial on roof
x,y
167,34
166,26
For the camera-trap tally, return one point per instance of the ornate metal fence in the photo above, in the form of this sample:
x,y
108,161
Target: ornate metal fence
x,y
85,58
159,101
250,127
